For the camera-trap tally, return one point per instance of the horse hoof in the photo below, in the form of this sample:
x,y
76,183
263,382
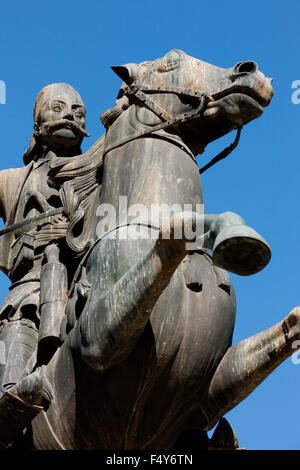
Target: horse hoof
x,y
291,326
241,250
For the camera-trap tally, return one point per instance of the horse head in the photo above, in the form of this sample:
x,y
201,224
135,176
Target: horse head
x,y
234,96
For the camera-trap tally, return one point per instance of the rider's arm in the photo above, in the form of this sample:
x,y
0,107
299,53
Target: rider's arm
x,y
10,183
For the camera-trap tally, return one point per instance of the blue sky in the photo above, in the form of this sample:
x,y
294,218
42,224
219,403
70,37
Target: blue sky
x,y
76,42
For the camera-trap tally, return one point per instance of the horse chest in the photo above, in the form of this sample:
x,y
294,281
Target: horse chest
x,y
151,171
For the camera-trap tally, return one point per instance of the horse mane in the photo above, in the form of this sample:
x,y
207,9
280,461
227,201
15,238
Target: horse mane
x,y
79,179
110,115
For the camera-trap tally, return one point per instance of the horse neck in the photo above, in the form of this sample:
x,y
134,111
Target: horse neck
x,y
157,169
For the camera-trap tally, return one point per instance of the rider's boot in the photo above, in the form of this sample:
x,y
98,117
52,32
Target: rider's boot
x,y
21,403
22,396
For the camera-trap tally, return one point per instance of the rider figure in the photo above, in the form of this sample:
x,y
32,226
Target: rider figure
x,y
25,193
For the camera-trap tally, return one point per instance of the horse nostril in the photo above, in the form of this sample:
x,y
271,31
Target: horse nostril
x,y
246,67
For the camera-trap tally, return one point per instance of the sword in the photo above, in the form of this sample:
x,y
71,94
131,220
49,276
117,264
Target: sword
x,y
23,223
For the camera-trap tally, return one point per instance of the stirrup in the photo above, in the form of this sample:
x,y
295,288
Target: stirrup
x,y
15,415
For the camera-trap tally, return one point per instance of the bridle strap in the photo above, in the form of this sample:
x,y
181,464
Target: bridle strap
x,y
136,90
196,113
224,152
137,85
95,242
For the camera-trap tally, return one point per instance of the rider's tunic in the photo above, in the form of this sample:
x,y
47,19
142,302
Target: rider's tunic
x,y
25,193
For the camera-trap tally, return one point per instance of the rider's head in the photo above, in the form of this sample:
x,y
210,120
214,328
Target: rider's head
x,y
59,121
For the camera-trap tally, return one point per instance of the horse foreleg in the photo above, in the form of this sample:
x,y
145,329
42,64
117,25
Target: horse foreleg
x,y
109,327
246,364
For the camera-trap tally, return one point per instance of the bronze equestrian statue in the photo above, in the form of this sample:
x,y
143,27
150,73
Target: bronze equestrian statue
x,y
144,352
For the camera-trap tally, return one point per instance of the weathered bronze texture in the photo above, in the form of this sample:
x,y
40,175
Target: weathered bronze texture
x,y
134,333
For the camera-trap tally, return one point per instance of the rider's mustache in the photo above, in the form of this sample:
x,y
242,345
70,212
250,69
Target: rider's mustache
x,y
63,123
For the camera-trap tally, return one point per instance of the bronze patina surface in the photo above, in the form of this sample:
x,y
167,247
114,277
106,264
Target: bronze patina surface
x,y
125,342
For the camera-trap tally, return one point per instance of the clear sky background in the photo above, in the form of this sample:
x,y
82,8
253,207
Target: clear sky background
x,y
77,41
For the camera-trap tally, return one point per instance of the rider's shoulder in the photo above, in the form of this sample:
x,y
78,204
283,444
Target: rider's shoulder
x,y
10,181
13,172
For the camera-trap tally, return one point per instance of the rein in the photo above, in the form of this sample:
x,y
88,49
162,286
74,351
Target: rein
x,y
224,152
136,90
92,246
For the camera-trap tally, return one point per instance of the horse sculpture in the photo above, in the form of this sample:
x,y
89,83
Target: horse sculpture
x,y
146,351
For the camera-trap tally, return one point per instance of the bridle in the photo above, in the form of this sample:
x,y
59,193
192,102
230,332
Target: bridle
x,y
142,93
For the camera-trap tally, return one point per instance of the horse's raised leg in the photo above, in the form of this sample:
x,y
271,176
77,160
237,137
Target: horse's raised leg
x,y
116,313
246,364
110,326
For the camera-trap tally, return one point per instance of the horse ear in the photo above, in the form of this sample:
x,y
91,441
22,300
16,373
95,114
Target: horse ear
x,y
128,72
